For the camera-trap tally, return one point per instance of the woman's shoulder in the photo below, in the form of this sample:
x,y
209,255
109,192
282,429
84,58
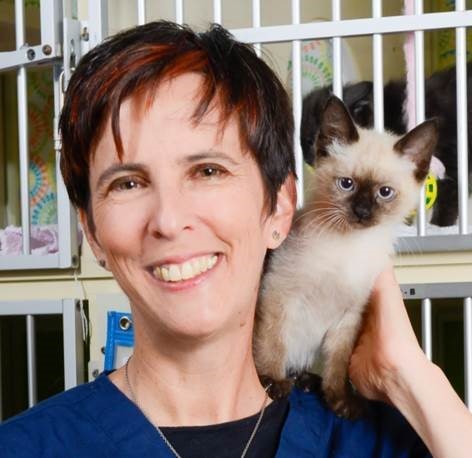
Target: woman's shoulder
x,y
380,431
59,421
77,396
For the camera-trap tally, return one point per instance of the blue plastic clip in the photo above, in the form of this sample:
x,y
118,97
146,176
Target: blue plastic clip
x,y
120,332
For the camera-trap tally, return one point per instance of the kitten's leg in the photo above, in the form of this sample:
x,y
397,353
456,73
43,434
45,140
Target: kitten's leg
x,y
446,206
337,349
269,350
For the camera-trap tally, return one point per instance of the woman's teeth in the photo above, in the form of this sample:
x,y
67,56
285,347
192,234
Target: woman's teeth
x,y
187,270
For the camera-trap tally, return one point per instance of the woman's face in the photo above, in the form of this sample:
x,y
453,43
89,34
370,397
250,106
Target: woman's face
x,y
180,221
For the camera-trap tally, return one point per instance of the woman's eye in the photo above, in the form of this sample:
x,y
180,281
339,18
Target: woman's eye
x,y
209,171
345,184
126,184
386,193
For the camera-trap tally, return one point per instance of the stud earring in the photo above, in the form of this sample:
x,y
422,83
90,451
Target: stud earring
x,y
276,235
102,263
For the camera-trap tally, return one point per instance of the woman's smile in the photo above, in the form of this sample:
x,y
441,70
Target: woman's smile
x,y
176,272
177,275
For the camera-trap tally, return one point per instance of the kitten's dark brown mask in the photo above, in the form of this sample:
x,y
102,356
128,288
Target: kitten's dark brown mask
x,y
365,200
364,178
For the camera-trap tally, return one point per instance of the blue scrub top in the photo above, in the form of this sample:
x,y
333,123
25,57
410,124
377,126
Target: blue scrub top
x,y
97,420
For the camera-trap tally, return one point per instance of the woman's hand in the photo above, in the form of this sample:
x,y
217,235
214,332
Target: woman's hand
x,y
387,344
388,364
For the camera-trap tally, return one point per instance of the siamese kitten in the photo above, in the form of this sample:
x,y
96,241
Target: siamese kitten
x,y
318,282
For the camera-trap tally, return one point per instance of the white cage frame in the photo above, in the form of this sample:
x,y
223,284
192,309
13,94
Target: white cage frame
x,y
49,52
58,29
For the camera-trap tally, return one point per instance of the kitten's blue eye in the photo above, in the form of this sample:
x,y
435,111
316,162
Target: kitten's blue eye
x,y
345,184
386,193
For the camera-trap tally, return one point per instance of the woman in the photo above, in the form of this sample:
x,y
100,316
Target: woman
x,y
177,153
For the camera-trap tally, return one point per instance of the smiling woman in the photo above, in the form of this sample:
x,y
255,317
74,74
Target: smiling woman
x,y
177,152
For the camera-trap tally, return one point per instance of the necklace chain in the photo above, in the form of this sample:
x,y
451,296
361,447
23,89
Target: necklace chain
x,y
164,438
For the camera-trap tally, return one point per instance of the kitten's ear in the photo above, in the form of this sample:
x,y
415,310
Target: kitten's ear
x,y
336,126
359,99
313,105
418,145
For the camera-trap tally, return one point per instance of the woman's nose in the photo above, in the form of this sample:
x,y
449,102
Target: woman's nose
x,y
169,214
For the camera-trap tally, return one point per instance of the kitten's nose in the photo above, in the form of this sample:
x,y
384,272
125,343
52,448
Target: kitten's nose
x,y
362,211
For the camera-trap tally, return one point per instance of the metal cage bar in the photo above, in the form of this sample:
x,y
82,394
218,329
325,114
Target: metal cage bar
x,y
419,68
217,12
462,126
51,30
468,351
66,214
256,22
420,108
73,345
97,21
378,69
141,12
179,11
426,328
22,101
337,52
31,360
297,102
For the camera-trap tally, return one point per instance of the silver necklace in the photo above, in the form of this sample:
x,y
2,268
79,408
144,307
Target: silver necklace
x,y
164,438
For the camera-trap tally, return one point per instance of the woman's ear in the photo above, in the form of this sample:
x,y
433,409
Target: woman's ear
x,y
87,224
281,218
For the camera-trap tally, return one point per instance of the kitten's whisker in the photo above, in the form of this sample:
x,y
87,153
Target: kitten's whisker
x,y
322,219
322,222
315,225
325,216
337,221
311,212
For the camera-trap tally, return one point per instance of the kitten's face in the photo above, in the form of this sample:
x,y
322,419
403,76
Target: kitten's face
x,y
365,183
364,178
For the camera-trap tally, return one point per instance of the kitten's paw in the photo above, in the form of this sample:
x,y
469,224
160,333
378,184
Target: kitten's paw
x,y
345,404
277,388
308,382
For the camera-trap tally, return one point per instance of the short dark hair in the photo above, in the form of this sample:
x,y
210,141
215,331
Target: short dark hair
x,y
139,59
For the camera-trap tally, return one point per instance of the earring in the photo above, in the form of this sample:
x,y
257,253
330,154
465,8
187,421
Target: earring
x,y
276,235
102,263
